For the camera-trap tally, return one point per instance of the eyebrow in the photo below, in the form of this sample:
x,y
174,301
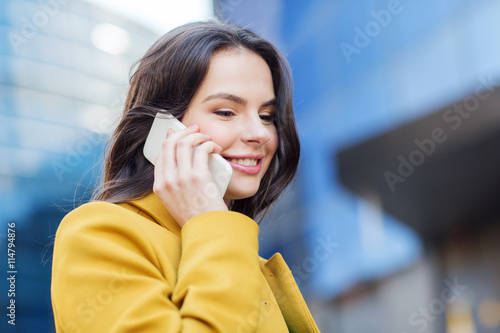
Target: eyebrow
x,y
236,99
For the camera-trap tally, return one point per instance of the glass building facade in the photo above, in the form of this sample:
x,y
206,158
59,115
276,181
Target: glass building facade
x,y
360,69
64,69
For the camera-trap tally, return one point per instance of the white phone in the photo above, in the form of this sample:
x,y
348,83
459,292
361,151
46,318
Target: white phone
x,y
220,169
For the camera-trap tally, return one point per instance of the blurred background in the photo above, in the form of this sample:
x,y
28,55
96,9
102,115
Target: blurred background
x,y
392,223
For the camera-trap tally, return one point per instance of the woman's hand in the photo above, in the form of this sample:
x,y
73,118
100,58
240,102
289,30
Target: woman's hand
x,y
183,181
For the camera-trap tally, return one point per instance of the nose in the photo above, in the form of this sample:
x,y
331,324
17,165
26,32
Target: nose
x,y
254,132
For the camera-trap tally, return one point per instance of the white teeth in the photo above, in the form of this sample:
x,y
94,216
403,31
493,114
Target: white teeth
x,y
245,162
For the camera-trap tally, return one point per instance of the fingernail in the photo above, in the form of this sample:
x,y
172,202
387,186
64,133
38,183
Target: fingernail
x,y
169,132
193,126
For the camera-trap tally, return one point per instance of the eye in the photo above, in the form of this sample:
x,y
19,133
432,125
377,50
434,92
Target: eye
x,y
224,113
267,118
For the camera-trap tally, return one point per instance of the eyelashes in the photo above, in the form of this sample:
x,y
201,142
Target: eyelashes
x,y
224,113
266,118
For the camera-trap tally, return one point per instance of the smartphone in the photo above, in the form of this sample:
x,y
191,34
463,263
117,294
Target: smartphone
x,y
220,169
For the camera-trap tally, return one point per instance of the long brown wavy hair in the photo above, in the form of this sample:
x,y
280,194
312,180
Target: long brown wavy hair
x,y
165,80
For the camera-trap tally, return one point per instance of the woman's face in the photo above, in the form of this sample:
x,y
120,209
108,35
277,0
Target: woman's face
x,y
235,105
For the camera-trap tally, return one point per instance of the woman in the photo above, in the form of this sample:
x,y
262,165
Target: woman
x,y
155,252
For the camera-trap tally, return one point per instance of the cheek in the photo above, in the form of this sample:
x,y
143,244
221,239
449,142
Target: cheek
x,y
219,134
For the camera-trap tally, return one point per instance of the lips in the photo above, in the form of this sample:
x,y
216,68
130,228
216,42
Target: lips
x,y
244,162
249,164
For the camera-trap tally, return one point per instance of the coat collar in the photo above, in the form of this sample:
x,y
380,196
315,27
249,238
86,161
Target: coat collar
x,y
287,294
152,206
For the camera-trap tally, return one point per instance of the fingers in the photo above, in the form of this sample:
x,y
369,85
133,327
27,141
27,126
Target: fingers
x,y
168,158
185,148
168,155
182,178
166,162
217,148
207,148
176,157
180,147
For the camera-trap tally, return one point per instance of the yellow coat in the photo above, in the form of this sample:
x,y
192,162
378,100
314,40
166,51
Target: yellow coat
x,y
119,268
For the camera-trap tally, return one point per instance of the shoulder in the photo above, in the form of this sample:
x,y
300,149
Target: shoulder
x,y
103,214
96,214
110,223
106,232
95,209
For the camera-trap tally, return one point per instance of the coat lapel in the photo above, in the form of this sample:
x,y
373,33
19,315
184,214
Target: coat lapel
x,y
288,296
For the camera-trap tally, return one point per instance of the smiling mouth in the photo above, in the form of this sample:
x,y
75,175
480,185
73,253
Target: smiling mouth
x,y
244,161
250,166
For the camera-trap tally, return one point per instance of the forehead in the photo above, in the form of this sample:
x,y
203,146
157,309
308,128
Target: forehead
x,y
239,72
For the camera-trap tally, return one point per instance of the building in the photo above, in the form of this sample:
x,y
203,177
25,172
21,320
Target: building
x,y
63,73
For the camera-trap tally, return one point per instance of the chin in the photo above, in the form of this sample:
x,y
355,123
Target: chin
x,y
240,192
